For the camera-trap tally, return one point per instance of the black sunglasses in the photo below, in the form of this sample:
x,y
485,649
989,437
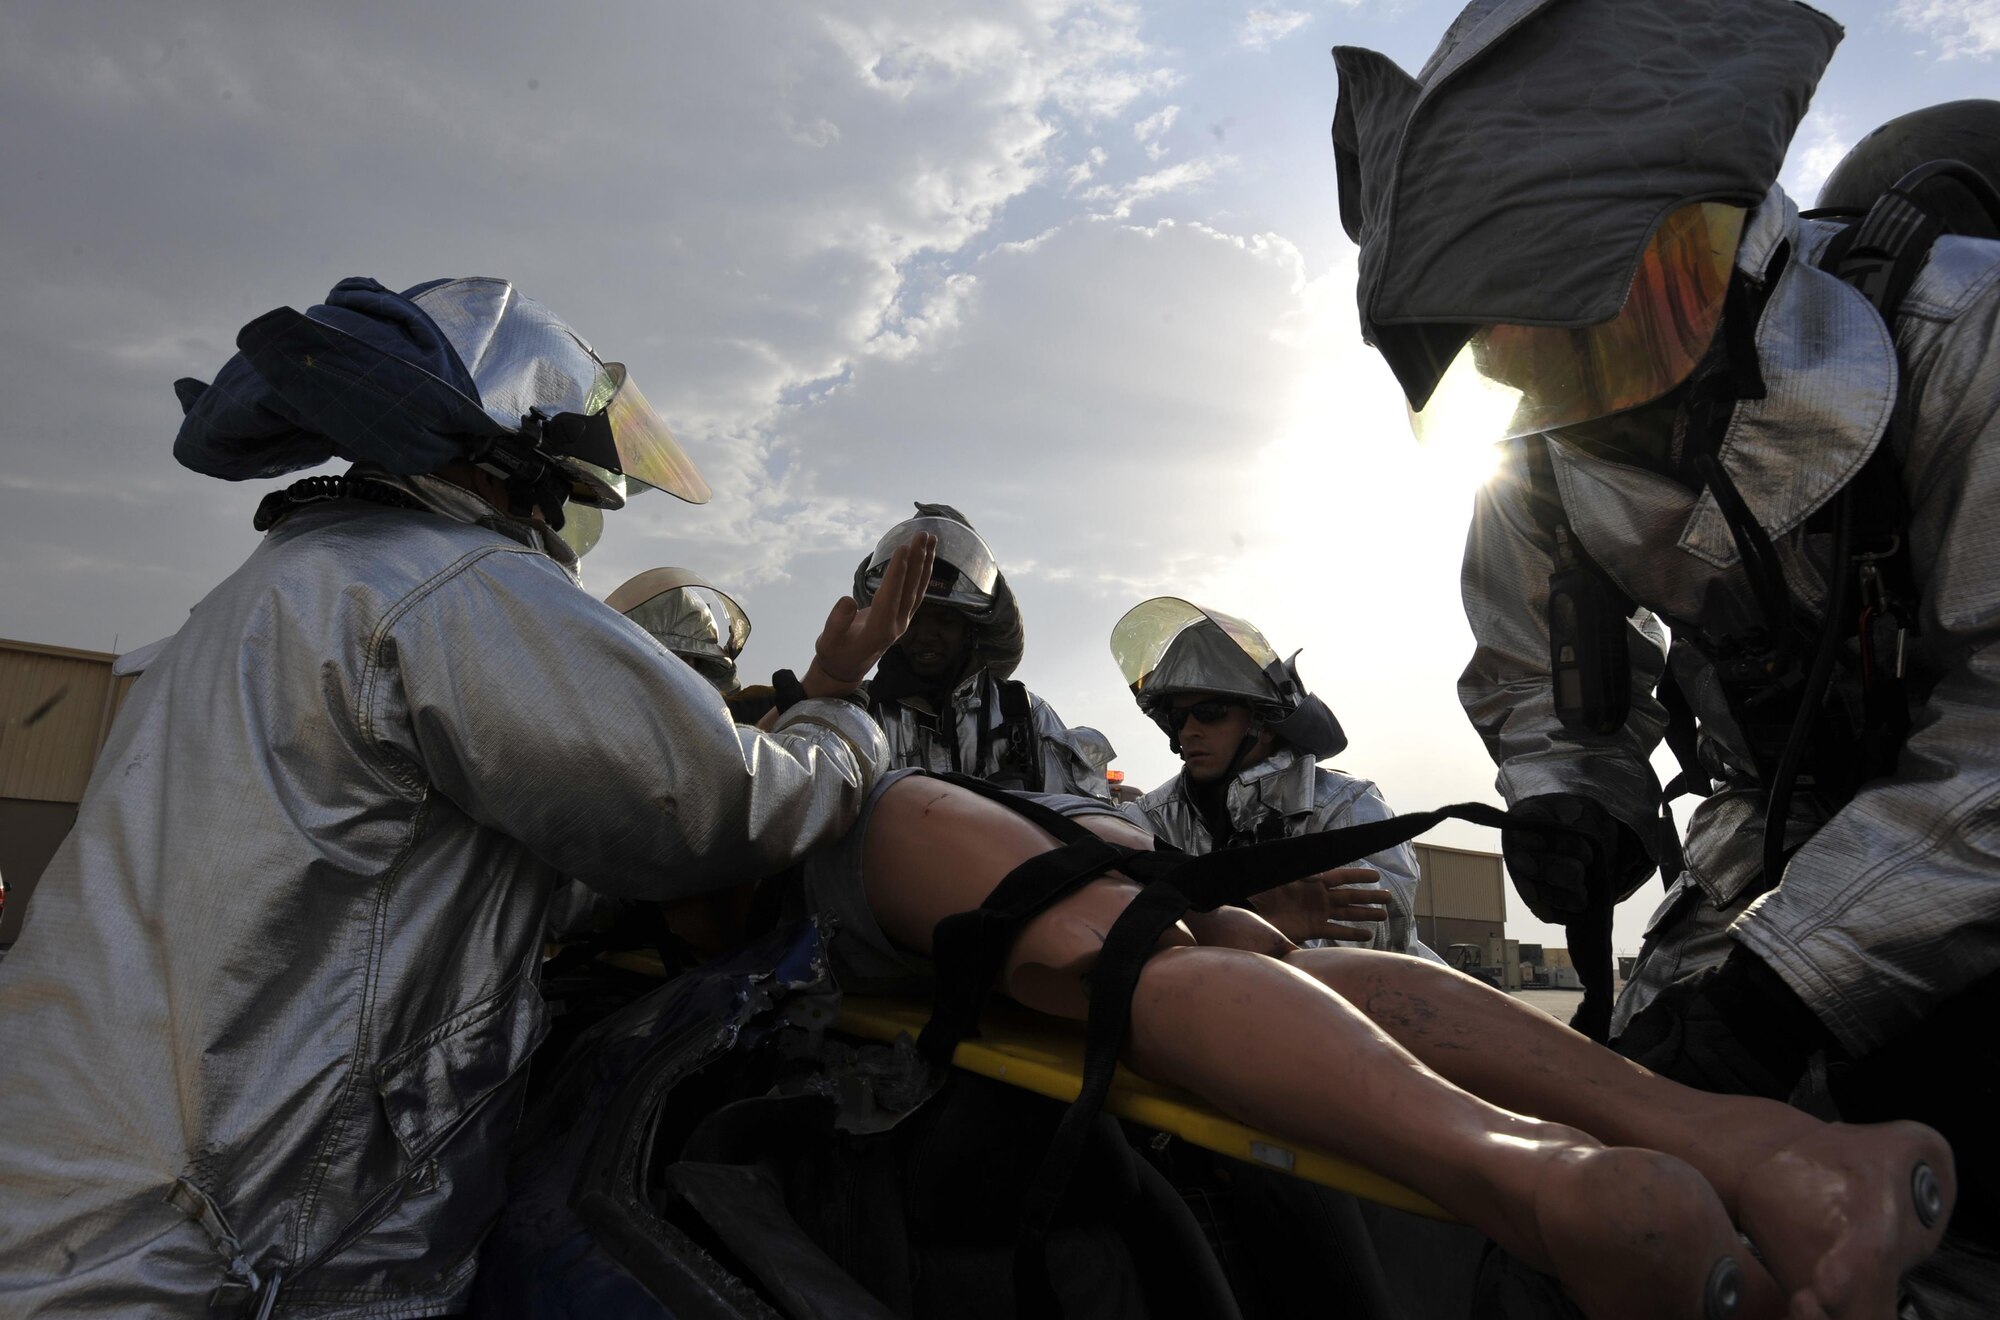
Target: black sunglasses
x,y
1203,712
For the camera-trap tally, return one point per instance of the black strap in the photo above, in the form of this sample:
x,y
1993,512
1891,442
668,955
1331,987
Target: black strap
x,y
969,948
1682,740
1544,495
1020,764
1590,681
1880,257
1176,887
1589,936
1588,616
787,690
1199,884
1014,703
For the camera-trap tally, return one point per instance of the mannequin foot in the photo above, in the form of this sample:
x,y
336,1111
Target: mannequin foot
x,y
1637,1235
1841,1214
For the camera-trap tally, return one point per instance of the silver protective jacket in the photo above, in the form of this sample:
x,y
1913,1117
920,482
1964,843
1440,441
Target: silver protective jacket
x,y
266,1024
1283,796
1893,904
967,737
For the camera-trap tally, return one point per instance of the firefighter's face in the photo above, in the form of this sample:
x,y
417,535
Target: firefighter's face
x,y
1212,727
937,640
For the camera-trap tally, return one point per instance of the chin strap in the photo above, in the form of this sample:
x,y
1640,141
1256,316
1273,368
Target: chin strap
x,y
1243,747
533,480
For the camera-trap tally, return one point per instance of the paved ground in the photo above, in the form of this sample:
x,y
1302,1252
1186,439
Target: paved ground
x,y
1558,1004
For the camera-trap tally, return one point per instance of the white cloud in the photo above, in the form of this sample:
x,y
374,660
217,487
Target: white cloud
x,y
1080,399
1148,131
1960,28
1820,145
1121,198
1085,56
742,202
1082,172
937,313
1263,28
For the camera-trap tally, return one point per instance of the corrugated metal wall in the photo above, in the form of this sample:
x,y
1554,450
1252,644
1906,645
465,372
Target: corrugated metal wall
x,y
1460,883
70,697
75,696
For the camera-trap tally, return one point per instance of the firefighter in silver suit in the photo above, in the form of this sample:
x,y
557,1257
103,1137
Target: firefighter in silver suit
x,y
946,696
1250,738
1774,439
699,622
265,1027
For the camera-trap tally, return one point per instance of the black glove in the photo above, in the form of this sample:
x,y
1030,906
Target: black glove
x,y
1737,1029
1556,869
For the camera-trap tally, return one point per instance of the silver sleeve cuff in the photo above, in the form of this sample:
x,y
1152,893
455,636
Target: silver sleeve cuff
x,y
854,726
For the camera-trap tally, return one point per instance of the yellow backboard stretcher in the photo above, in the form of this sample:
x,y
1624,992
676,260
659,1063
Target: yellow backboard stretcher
x,y
1045,1055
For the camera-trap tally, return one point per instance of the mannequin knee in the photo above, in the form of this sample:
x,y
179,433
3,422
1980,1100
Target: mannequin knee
x,y
1049,966
1354,972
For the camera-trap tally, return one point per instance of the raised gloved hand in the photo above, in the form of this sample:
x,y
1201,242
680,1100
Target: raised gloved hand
x,y
855,636
1736,1029
1556,868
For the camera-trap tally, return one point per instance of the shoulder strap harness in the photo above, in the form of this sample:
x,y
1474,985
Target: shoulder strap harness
x,y
1020,763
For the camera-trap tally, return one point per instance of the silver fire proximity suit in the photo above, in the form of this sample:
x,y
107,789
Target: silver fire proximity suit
x,y
962,726
1891,906
266,1025
1571,237
967,737
1284,796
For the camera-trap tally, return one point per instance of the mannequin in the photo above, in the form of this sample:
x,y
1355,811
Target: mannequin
x,y
1627,1187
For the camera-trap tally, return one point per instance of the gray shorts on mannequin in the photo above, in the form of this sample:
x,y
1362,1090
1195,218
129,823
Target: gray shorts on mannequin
x,y
865,961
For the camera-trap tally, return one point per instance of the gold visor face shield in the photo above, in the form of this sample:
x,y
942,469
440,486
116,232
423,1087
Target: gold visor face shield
x,y
1516,380
695,621
646,450
685,612
532,369
1142,639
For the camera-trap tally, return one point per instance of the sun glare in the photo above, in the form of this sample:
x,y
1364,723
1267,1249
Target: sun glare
x,y
1461,424
1463,465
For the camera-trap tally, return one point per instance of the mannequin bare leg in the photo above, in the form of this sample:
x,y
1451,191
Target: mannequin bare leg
x,y
1632,1232
1793,1182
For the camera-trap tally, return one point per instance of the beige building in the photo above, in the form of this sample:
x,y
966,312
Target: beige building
x,y
1462,912
56,706
1461,897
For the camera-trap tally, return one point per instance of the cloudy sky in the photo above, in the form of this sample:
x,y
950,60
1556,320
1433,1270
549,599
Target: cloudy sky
x,y
1071,265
